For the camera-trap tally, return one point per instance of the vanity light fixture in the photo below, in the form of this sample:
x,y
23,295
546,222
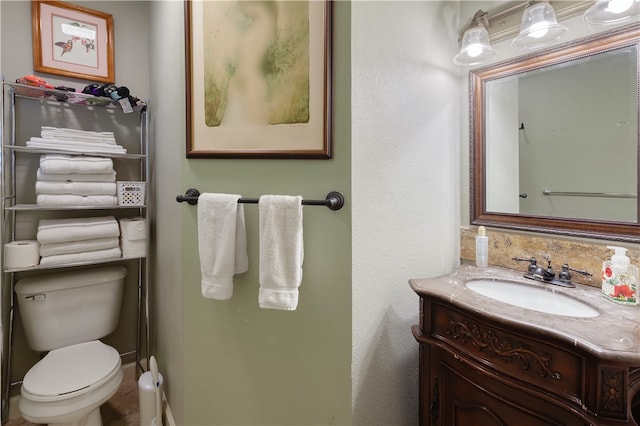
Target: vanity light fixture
x,y
475,47
538,27
612,11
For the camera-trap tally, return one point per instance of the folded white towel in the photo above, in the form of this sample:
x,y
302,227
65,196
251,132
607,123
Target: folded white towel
x,y
281,251
75,188
222,243
60,163
70,247
87,256
76,177
58,200
133,234
76,229
71,146
48,132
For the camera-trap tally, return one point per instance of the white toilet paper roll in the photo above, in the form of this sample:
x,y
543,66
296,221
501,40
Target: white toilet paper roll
x,y
21,254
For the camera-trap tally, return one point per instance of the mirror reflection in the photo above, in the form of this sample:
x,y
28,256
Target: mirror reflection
x,y
569,137
554,139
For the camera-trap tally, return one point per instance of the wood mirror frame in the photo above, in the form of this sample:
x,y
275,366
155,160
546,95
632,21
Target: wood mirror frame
x,y
599,229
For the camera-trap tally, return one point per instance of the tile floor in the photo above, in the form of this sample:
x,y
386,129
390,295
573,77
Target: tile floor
x,y
120,410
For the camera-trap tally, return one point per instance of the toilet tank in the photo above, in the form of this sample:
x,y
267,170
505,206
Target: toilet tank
x,y
61,309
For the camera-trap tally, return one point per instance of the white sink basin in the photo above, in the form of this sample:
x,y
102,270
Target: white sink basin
x,y
530,297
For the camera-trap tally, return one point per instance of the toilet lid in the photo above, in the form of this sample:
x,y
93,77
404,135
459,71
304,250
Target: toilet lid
x,y
71,369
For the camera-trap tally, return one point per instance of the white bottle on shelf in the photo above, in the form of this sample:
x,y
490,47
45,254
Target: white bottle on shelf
x,y
482,248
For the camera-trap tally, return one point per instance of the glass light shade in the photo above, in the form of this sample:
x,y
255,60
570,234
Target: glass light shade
x,y
475,47
539,27
612,12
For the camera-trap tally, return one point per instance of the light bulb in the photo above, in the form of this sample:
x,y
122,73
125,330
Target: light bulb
x,y
605,12
474,50
538,30
619,6
538,27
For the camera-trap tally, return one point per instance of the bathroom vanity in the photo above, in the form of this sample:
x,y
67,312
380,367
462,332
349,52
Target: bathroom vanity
x,y
489,362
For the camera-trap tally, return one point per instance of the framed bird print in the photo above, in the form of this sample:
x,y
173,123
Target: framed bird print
x,y
72,41
258,79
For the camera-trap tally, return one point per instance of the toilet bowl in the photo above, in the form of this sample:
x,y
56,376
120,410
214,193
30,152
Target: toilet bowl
x,y
68,386
64,315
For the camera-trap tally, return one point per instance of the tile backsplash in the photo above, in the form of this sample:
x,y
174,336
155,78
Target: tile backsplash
x,y
504,245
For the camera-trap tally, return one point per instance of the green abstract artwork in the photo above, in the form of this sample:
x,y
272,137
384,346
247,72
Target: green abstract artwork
x,y
256,62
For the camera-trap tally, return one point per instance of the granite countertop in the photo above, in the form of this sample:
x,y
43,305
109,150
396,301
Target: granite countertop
x,y
612,335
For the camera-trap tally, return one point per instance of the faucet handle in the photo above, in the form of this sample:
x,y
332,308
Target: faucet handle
x,y
566,268
533,263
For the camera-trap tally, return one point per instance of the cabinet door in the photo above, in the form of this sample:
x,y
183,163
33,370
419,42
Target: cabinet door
x,y
461,395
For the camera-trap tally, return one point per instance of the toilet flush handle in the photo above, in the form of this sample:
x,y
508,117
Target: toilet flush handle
x,y
36,297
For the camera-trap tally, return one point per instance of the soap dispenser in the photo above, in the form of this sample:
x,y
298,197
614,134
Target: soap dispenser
x,y
620,278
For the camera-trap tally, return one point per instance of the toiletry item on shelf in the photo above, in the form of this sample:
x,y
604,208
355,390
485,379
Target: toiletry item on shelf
x,y
21,254
133,236
482,248
620,278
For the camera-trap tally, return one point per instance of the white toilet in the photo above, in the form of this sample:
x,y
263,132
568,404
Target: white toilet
x,y
65,314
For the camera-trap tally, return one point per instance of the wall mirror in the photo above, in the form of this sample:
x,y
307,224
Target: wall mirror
x,y
555,139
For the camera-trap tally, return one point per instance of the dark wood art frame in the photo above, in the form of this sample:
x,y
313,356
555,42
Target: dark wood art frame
x,y
208,137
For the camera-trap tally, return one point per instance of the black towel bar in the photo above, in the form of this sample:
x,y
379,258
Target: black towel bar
x,y
334,199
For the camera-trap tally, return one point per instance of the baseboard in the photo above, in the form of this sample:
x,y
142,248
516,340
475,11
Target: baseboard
x,y
168,415
129,371
14,411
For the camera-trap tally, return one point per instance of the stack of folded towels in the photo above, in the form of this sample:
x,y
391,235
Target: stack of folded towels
x,y
75,180
66,241
73,140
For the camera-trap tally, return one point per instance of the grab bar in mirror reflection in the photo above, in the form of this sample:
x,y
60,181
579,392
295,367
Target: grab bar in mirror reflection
x,y
589,194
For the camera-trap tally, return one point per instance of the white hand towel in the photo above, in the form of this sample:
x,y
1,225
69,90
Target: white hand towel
x,y
222,243
281,251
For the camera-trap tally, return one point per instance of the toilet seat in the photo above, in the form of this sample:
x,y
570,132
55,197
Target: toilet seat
x,y
71,371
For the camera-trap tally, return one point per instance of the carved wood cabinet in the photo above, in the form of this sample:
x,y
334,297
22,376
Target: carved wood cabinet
x,y
477,370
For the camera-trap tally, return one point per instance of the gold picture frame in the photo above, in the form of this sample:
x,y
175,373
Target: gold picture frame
x,y
258,79
72,41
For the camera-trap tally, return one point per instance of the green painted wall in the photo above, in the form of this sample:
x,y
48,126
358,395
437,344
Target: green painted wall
x,y
250,366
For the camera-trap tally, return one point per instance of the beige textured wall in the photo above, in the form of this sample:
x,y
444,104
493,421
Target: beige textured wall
x,y
584,255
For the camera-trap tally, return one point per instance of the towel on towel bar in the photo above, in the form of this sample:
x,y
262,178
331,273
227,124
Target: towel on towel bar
x,y
59,163
60,200
87,256
75,188
281,251
70,247
76,229
222,243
